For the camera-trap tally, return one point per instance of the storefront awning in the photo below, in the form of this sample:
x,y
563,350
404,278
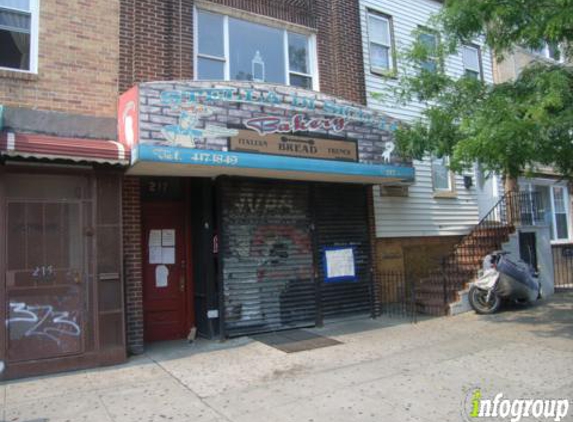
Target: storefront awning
x,y
170,161
208,129
26,145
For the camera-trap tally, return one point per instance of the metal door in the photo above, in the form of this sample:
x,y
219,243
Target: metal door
x,y
268,281
165,289
46,261
341,220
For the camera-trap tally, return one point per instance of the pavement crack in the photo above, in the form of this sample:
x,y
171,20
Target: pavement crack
x,y
186,387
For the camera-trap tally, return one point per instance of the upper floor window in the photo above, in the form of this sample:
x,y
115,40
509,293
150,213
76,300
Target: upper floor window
x,y
472,61
380,43
236,49
18,34
550,51
430,41
442,178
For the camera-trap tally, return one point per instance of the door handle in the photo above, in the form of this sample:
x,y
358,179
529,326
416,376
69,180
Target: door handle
x,y
182,277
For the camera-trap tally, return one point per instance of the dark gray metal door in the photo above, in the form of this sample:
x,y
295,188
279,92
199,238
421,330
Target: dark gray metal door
x,y
341,221
267,256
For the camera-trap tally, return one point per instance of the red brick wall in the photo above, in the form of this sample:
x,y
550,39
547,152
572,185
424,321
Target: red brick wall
x,y
77,61
156,40
156,43
132,264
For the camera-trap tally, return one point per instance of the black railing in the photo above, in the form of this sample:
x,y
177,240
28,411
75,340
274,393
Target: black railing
x,y
400,295
395,296
563,266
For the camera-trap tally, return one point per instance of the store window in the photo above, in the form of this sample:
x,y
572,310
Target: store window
x,y
551,205
441,175
18,34
472,61
380,43
430,41
236,49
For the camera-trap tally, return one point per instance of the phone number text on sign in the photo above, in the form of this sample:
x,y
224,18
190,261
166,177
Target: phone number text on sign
x,y
207,158
196,157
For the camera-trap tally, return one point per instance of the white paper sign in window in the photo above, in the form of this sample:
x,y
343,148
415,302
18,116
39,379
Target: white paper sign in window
x,y
339,264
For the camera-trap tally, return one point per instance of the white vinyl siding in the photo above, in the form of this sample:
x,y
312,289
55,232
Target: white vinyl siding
x,y
421,213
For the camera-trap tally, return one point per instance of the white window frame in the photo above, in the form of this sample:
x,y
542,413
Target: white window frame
x,y
34,37
551,184
546,53
423,30
311,48
477,50
451,181
370,13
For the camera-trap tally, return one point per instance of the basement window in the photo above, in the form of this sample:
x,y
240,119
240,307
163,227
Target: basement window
x,y
19,35
235,49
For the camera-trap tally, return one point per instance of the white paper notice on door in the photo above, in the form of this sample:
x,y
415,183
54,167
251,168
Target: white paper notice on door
x,y
155,238
168,255
155,255
168,237
340,264
161,276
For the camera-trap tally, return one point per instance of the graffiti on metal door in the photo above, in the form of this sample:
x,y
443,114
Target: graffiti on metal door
x,y
41,321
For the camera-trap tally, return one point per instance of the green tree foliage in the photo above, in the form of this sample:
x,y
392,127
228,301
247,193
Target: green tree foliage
x,y
509,128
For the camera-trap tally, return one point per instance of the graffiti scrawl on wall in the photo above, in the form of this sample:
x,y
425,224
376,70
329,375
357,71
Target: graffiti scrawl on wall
x,y
41,321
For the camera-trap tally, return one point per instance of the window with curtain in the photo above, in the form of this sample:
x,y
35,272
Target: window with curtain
x,y
380,42
16,34
236,49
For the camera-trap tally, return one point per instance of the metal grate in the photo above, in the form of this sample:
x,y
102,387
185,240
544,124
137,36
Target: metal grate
x,y
293,341
563,266
340,220
267,257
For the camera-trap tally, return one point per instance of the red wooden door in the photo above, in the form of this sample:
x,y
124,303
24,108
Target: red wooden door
x,y
165,290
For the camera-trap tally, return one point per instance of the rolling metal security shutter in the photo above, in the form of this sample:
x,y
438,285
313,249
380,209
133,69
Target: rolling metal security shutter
x,y
267,256
341,216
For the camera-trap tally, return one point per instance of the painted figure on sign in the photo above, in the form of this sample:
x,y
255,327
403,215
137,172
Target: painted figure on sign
x,y
389,149
186,132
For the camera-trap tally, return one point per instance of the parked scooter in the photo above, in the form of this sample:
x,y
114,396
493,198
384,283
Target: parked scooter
x,y
503,278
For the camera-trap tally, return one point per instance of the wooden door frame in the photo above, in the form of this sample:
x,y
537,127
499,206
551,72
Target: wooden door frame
x,y
189,311
3,242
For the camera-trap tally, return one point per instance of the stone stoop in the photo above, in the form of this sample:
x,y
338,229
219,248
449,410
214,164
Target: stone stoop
x,y
462,304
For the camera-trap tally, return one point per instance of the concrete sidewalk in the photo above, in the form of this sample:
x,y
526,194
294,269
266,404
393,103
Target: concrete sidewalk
x,y
385,370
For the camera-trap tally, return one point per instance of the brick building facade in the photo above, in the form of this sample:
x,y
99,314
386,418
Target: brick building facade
x,y
156,39
77,61
158,43
60,181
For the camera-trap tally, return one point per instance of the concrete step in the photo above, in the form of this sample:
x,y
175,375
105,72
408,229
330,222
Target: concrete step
x,y
462,305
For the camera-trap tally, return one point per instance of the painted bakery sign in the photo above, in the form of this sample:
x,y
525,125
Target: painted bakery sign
x,y
254,118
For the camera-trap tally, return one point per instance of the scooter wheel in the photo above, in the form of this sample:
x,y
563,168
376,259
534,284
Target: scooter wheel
x,y
480,304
